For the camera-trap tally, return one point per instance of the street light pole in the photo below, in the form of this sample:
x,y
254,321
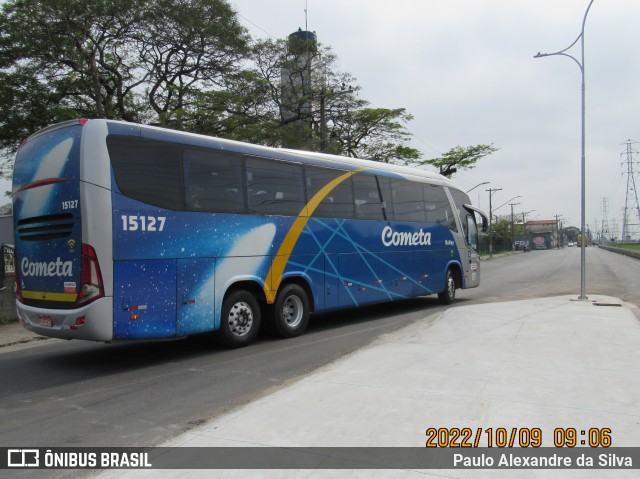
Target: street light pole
x,y
583,295
491,193
479,184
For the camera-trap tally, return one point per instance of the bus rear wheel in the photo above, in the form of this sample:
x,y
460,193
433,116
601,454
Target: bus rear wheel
x,y
449,293
291,311
240,320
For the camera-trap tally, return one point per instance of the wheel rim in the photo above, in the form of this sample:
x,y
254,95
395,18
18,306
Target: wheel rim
x,y
451,287
240,319
292,311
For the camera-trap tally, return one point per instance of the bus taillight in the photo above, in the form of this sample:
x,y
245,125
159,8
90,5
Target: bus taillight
x,y
91,286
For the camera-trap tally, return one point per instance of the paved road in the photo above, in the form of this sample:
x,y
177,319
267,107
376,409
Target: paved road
x,y
88,394
557,272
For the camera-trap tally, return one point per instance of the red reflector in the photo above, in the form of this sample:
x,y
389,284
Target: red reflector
x,y
81,321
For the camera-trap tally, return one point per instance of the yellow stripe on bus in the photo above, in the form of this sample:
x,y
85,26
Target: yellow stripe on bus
x,y
274,277
66,297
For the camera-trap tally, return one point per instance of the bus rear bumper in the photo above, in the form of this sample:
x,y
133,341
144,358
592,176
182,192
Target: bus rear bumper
x,y
92,322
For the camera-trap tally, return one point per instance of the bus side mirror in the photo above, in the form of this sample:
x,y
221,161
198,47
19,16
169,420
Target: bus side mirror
x,y
485,220
485,224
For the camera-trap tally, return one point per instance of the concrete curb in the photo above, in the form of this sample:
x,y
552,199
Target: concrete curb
x,y
626,252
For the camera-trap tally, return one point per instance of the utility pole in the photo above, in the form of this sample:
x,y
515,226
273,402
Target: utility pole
x,y
524,227
605,222
559,235
631,190
513,239
491,193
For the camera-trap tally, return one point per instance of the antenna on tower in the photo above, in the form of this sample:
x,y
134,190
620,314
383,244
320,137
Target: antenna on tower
x,y
306,25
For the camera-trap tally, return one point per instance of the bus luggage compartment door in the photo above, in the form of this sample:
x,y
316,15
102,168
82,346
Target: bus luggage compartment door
x,y
360,279
196,296
144,299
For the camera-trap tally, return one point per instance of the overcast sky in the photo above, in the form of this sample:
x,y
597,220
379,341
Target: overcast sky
x,y
465,70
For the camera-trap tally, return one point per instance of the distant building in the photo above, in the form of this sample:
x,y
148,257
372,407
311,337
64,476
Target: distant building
x,y
542,234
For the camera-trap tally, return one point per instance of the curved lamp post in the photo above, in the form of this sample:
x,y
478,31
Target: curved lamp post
x,y
580,63
479,184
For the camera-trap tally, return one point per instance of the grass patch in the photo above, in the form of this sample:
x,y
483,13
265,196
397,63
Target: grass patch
x,y
632,247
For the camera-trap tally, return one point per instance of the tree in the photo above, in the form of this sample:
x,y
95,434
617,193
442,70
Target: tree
x,y
148,61
317,107
81,53
571,232
375,133
188,47
182,64
135,60
460,157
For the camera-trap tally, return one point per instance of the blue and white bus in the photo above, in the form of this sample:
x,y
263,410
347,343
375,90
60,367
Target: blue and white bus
x,y
126,231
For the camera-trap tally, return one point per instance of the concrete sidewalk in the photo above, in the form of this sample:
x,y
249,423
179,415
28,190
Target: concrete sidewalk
x,y
14,336
544,363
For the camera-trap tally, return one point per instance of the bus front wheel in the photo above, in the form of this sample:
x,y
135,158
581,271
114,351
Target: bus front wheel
x,y
449,293
291,311
240,321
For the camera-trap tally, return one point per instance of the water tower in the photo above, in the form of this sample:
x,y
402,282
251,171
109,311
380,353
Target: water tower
x,y
299,78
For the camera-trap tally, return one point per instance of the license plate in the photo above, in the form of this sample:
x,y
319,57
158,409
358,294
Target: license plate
x,y
45,321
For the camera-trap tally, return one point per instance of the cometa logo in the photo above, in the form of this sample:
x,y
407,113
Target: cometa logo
x,y
52,268
397,238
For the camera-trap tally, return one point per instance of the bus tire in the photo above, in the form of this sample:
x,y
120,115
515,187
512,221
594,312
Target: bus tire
x,y
449,294
240,321
291,311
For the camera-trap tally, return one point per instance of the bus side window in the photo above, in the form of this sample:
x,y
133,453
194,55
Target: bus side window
x,y
147,170
438,208
338,203
274,187
367,197
384,184
408,202
213,181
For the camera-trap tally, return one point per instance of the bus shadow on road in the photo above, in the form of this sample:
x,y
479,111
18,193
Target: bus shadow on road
x,y
63,363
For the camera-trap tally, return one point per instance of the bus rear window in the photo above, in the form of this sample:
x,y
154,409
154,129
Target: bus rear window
x,y
51,154
148,171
